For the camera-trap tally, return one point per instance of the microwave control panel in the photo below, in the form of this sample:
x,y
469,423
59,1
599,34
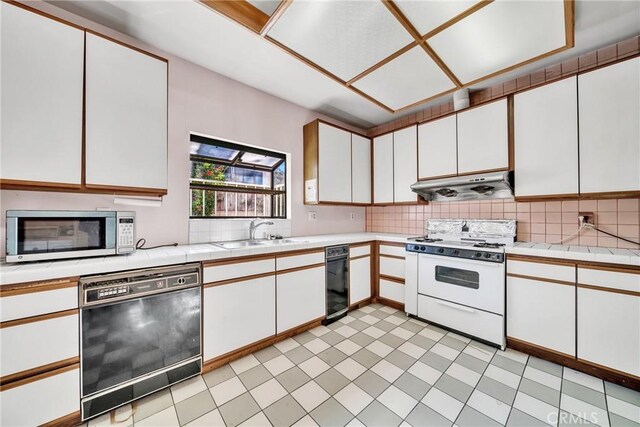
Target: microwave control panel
x,y
126,234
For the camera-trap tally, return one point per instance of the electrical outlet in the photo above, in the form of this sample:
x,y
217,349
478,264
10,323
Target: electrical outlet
x,y
313,216
353,216
586,218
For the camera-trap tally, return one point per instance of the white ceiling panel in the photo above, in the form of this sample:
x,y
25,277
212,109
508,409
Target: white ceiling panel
x,y
343,37
427,15
500,35
267,6
409,78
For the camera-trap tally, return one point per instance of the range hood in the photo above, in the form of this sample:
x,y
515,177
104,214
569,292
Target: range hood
x,y
492,185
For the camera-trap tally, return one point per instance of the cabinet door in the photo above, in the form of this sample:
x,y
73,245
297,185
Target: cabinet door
x,y
359,279
238,314
383,169
300,297
546,140
527,299
483,138
126,117
437,149
360,169
334,164
42,65
609,108
56,395
405,164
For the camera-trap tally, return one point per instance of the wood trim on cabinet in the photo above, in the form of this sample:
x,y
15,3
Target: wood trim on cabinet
x,y
300,252
38,318
391,279
71,420
392,256
599,371
547,198
541,279
19,184
427,178
39,370
385,243
360,304
34,378
44,14
390,303
238,279
612,290
484,171
611,195
238,260
359,257
540,260
38,286
241,11
613,268
511,132
115,189
137,49
311,155
357,245
304,267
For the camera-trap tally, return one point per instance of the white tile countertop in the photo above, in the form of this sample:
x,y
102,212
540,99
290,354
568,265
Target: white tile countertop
x,y
578,253
34,271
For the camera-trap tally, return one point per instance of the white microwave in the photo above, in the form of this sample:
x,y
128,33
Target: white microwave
x,y
47,235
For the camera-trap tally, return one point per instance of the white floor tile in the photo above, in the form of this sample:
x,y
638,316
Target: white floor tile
x,y
445,351
463,374
536,408
355,423
267,393
395,320
624,409
244,364
320,330
227,390
367,309
402,333
348,347
258,420
379,348
188,388
346,331
389,310
374,332
591,413
313,366
286,345
387,370
398,401
278,365
443,404
305,421
583,379
431,334
487,405
514,355
542,377
347,319
166,418
350,368
412,350
369,319
503,376
310,395
459,337
316,346
353,398
210,419
425,372
478,353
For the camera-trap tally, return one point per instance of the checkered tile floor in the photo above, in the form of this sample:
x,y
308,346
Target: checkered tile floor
x,y
376,367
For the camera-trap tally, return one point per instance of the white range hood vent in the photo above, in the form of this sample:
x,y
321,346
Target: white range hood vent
x,y
493,185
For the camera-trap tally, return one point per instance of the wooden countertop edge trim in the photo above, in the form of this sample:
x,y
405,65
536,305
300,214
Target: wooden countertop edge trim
x,y
39,286
387,243
611,290
616,268
593,265
239,279
38,370
540,260
300,268
300,252
391,279
38,318
238,260
24,381
541,279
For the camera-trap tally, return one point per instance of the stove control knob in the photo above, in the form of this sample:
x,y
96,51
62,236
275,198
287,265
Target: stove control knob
x,y
487,255
478,254
423,248
440,250
456,252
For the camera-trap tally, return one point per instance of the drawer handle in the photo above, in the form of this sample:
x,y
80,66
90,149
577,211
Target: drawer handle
x,y
456,306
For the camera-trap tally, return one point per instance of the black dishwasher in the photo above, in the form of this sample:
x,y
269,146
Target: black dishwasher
x,y
337,282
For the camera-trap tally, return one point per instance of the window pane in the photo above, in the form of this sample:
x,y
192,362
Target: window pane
x,y
213,151
259,159
279,178
205,173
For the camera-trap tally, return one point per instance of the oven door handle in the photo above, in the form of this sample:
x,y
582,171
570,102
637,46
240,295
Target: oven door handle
x,y
456,306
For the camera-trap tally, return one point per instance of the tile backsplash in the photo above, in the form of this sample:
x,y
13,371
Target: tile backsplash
x,y
537,221
219,230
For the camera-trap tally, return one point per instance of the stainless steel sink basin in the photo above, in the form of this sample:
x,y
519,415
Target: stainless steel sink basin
x,y
237,244
281,241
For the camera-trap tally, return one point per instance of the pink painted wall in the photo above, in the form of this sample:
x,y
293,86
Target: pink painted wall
x,y
537,222
209,103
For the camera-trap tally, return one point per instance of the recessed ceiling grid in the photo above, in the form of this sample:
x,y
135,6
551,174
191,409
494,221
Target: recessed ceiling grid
x,y
364,53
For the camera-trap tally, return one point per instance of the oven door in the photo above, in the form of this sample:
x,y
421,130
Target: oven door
x,y
127,340
472,283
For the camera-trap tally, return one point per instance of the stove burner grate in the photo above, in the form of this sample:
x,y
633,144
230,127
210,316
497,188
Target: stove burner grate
x,y
488,245
426,240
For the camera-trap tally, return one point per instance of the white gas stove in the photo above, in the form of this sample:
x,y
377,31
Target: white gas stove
x,y
455,276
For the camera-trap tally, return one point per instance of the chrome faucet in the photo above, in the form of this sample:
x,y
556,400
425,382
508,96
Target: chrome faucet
x,y
253,226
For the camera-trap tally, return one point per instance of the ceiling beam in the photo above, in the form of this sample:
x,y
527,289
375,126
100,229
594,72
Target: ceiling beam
x,y
569,23
383,62
284,4
240,11
476,7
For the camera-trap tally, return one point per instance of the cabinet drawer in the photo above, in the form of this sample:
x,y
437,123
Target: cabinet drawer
x,y
31,345
392,250
393,267
302,260
484,325
237,269
48,397
564,273
356,251
392,290
24,303
610,279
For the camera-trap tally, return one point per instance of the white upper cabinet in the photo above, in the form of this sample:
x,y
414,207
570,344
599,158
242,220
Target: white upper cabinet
x,y
546,140
334,164
126,117
383,169
609,109
42,63
437,148
405,164
483,138
360,169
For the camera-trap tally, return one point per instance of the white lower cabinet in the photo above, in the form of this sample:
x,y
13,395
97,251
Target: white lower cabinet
x,y
47,398
393,291
359,279
300,297
238,314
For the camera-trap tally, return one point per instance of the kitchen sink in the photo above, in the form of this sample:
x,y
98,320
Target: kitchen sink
x,y
237,244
